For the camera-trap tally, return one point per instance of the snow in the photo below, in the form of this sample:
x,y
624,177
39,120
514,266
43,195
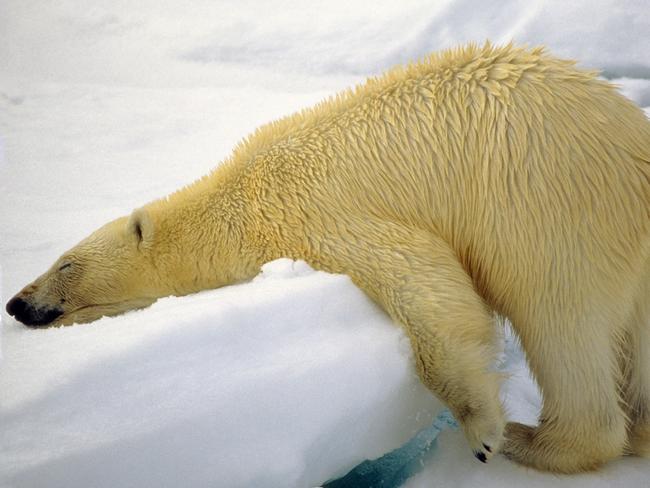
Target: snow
x,y
290,380
223,387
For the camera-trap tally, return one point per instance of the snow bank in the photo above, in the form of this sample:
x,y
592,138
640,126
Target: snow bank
x,y
288,381
162,44
607,34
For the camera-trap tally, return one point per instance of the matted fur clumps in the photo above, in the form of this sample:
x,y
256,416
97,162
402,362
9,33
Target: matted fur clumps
x,y
478,180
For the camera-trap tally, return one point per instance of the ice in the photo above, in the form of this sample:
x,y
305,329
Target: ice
x,y
287,381
294,378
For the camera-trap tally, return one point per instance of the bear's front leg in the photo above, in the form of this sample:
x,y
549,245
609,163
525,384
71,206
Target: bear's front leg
x,y
419,281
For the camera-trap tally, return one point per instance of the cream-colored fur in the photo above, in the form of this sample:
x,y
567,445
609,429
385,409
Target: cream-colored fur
x,y
481,179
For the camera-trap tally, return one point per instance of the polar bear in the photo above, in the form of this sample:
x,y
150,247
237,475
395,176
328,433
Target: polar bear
x,y
482,179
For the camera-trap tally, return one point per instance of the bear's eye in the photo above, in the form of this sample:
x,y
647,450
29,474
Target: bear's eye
x,y
65,266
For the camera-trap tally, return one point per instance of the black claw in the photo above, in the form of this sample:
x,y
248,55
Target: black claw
x,y
488,448
480,455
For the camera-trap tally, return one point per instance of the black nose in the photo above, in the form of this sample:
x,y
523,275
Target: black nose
x,y
16,306
29,315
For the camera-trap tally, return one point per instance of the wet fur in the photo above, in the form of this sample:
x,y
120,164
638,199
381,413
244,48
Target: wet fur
x,y
481,179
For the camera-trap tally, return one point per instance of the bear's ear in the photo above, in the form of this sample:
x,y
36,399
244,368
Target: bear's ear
x,y
140,227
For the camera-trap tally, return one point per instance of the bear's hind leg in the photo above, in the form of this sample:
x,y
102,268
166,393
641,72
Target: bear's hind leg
x,y
636,363
582,424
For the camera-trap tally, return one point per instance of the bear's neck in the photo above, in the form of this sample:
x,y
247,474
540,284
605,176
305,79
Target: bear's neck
x,y
206,234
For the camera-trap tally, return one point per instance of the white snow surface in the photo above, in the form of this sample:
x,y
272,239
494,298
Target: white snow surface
x,y
289,380
285,381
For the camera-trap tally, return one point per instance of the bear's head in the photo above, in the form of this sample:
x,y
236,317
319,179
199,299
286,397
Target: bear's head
x,y
108,273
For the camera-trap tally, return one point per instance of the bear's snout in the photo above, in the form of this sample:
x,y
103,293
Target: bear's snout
x,y
28,314
16,306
